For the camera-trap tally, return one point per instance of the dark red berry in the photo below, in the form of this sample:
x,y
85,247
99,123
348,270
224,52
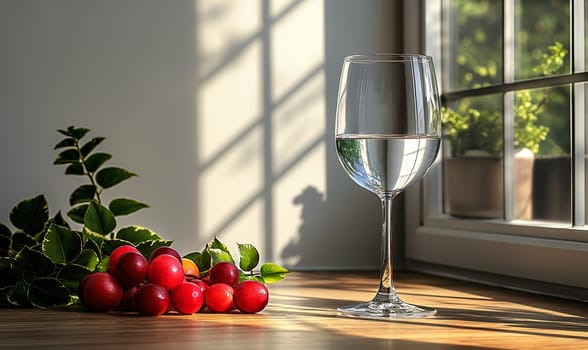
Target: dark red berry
x,y
164,250
100,291
151,300
117,253
251,296
131,269
224,272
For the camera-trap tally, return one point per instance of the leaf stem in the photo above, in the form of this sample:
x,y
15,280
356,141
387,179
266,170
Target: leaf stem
x,y
88,173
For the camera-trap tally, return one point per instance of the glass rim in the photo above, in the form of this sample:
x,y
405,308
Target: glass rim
x,y
386,57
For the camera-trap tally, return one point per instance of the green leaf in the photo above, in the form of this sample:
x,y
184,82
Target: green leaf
x,y
5,240
48,292
214,252
75,169
87,259
76,133
30,263
5,243
111,244
258,279
5,262
112,176
7,275
92,245
147,247
21,240
82,194
78,213
68,156
205,260
17,296
4,231
137,234
99,219
272,273
246,277
61,244
95,161
57,220
71,275
219,255
88,235
103,265
30,215
66,142
79,133
196,257
249,257
90,145
217,244
124,206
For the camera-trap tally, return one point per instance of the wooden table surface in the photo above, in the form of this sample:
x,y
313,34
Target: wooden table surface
x,y
301,315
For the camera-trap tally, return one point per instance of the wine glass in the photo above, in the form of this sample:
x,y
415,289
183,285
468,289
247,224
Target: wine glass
x,y
387,138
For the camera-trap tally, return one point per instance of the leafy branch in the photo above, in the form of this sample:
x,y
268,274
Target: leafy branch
x,y
216,251
43,259
81,161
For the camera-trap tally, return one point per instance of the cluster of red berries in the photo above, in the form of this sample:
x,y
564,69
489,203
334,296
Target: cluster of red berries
x,y
160,284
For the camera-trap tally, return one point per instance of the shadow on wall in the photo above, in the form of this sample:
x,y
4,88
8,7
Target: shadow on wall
x,y
329,234
340,229
303,247
156,78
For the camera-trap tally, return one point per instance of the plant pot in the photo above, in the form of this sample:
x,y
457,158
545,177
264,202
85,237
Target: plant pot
x,y
552,179
474,187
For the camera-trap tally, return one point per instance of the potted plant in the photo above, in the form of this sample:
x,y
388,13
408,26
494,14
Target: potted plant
x,y
473,165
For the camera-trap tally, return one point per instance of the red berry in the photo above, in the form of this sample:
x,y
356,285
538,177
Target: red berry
x,y
126,303
100,291
219,297
203,285
151,300
224,272
164,250
117,253
166,270
187,298
251,296
131,269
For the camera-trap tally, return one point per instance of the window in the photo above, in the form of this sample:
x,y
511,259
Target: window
x,y
507,201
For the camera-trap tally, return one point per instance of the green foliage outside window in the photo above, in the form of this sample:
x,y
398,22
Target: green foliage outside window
x,y
476,61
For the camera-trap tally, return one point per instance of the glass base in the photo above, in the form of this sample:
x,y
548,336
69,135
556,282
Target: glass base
x,y
386,307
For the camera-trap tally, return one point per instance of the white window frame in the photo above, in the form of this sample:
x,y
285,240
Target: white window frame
x,y
547,258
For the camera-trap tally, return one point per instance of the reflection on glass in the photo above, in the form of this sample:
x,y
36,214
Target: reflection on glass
x,y
476,58
472,160
584,97
473,165
542,38
542,125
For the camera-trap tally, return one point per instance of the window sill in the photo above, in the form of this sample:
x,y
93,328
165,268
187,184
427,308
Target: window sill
x,y
534,264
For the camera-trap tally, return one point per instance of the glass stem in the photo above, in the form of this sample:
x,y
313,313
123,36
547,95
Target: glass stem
x,y
386,292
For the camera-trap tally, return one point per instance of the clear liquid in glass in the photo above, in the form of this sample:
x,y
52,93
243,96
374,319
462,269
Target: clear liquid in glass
x,y
387,163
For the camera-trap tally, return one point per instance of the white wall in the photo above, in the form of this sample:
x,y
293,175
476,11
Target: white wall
x,y
225,108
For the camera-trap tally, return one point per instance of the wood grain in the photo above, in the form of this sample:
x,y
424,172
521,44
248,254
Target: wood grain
x,y
302,315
